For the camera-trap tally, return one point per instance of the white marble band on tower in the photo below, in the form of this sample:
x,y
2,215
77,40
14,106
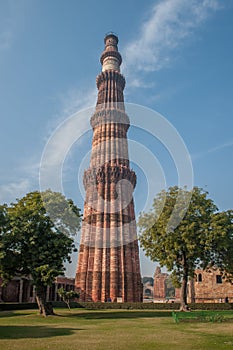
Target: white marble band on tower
x,y
111,58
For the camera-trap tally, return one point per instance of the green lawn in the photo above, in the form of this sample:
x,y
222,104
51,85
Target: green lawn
x,y
110,329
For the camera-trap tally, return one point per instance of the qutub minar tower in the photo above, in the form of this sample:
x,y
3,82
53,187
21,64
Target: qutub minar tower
x,y
108,263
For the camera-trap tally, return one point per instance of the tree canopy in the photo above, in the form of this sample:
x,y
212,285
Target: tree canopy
x,y
34,245
183,238
63,212
222,243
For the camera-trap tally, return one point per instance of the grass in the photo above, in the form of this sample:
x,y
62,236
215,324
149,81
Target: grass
x,y
203,316
111,330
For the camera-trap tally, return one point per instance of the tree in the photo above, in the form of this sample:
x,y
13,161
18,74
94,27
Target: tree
x,y
33,245
178,236
169,288
67,296
5,263
221,242
63,212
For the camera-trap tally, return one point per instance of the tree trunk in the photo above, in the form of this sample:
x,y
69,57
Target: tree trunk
x,y
183,294
68,304
192,290
184,286
45,308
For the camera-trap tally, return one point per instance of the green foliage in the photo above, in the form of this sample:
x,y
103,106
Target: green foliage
x,y
129,306
214,318
198,316
176,233
170,245
3,219
8,255
221,243
211,306
63,212
32,244
170,289
125,306
39,246
67,296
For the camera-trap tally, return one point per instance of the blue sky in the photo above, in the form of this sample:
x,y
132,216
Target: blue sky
x,y
177,60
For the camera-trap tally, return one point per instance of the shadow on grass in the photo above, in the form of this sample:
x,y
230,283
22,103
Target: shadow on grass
x,y
19,332
14,313
120,314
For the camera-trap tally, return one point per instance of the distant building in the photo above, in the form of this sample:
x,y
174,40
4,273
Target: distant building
x,y
206,287
20,289
210,287
163,288
148,288
159,285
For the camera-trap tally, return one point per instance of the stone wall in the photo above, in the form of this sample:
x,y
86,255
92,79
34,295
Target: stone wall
x,y
205,287
211,287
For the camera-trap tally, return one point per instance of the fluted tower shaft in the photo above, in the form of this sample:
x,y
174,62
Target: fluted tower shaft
x,y
108,263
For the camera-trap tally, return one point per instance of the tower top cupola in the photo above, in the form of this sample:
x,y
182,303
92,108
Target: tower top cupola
x,y
111,58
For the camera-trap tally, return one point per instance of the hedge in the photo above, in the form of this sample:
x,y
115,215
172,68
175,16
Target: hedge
x,y
153,306
17,306
125,306
211,306
128,306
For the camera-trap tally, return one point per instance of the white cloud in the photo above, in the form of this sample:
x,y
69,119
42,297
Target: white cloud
x,y
71,125
30,167
138,82
10,17
22,180
67,130
77,99
212,150
73,101
220,147
169,23
72,122
9,192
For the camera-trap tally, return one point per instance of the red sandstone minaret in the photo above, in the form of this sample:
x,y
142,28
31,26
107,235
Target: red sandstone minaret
x,y
108,263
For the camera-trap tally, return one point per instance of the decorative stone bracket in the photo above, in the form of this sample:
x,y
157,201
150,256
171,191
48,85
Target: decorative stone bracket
x,y
108,174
